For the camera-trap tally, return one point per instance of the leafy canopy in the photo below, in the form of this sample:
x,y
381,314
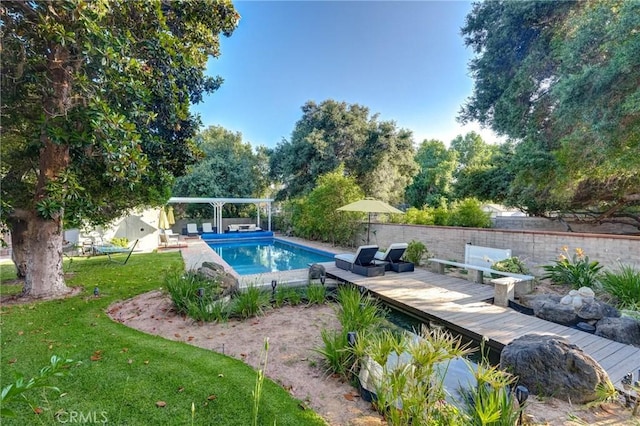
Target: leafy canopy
x,y
376,154
95,101
561,78
230,169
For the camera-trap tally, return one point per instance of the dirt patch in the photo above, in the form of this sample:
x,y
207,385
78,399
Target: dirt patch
x,y
293,333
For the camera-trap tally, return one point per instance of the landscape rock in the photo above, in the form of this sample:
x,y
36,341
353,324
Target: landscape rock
x,y
316,272
228,283
551,366
595,310
556,312
624,330
578,305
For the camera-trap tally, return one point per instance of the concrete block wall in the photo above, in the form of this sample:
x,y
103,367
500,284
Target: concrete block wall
x,y
536,248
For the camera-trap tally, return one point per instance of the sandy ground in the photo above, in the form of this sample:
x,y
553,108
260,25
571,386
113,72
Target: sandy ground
x,y
293,333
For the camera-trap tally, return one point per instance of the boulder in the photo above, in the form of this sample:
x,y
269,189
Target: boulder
x,y
551,366
228,283
595,310
623,330
316,272
556,312
534,301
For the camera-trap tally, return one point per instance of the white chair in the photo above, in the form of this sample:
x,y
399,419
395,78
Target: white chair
x,y
168,238
206,227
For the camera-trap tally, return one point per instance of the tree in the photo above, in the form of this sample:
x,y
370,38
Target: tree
x,y
95,113
432,185
376,154
561,78
229,169
315,215
474,156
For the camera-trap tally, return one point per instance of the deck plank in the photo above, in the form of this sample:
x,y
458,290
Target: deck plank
x,y
462,303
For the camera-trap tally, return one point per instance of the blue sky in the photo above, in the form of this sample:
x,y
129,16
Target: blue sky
x,y
405,61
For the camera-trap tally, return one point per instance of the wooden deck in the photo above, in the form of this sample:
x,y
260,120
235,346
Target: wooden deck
x,y
460,305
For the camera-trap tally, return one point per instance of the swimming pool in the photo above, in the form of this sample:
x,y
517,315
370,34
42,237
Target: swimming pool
x,y
267,255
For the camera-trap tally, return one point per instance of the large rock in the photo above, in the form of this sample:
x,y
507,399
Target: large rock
x,y
551,366
570,309
228,283
623,330
595,310
556,312
316,272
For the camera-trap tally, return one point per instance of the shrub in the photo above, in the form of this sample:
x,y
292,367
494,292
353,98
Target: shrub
x,y
358,312
183,290
624,285
577,271
120,242
469,213
250,302
316,294
209,310
335,350
512,264
415,251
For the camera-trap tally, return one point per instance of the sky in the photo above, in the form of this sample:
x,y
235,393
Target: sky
x,y
404,60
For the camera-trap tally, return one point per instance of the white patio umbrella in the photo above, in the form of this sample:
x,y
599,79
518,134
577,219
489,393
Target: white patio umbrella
x,y
370,205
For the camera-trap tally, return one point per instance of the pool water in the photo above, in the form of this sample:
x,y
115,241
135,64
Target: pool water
x,y
267,255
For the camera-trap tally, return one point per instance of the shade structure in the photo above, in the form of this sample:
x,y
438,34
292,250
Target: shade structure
x,y
163,222
370,205
170,218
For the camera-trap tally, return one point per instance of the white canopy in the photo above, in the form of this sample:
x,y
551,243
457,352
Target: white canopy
x,y
217,204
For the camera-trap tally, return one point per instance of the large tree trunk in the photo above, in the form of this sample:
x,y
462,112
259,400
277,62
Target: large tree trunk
x,y
42,241
19,252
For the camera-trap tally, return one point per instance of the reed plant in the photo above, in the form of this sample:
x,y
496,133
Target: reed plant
x,y
250,302
358,312
491,401
335,351
316,294
189,288
624,285
257,391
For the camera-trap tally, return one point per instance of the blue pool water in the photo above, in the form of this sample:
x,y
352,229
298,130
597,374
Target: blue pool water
x,y
267,255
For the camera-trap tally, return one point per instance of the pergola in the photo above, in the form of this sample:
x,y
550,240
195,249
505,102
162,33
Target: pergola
x,y
217,204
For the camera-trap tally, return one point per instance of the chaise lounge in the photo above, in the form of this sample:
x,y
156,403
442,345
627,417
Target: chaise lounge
x,y
361,263
391,259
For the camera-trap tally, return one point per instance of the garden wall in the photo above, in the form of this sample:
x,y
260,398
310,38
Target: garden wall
x,y
536,248
542,224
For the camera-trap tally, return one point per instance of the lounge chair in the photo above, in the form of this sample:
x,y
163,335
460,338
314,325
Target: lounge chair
x,y
169,239
391,259
192,229
361,263
110,249
206,227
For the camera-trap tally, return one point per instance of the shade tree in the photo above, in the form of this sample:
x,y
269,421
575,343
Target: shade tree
x,y
560,78
95,114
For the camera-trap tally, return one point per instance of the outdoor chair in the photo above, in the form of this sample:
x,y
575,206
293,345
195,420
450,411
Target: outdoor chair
x,y
110,249
206,227
360,263
391,259
192,229
169,239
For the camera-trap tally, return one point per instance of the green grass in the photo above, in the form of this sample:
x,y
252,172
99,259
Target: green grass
x,y
134,370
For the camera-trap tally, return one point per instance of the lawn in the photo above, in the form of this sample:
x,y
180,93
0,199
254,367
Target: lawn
x,y
122,373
